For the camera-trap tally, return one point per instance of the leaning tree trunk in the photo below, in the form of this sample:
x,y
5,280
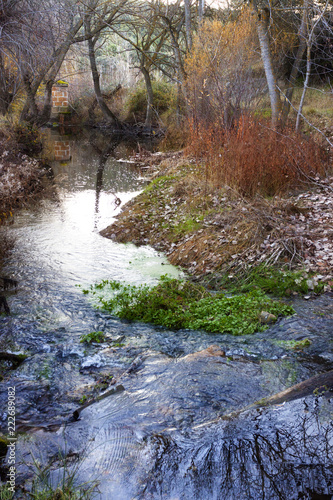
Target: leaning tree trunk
x,y
266,56
107,113
150,97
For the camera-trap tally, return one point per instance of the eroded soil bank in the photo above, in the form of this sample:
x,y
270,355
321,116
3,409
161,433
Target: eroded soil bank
x,y
211,231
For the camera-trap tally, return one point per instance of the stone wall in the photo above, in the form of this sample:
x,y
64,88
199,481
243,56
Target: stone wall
x,y
60,98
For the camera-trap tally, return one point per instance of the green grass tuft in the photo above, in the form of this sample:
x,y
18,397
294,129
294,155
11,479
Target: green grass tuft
x,y
293,344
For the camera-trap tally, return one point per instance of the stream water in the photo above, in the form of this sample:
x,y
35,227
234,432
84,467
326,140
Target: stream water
x,y
166,430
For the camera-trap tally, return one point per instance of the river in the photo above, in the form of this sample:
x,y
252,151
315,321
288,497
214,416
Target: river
x,y
167,430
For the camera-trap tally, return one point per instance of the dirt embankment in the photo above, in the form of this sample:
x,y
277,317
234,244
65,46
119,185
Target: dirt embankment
x,y
212,230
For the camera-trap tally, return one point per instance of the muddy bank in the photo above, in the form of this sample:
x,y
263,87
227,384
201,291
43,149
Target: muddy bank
x,y
211,231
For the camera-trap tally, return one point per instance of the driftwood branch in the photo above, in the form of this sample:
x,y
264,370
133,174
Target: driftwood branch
x,y
113,390
317,385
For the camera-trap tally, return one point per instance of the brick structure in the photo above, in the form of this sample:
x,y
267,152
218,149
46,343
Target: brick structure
x,y
62,150
60,98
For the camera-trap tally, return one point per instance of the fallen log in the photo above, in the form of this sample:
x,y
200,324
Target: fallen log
x,y
317,385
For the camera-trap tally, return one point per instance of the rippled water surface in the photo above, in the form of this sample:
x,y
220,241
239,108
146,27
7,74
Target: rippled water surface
x,y
58,245
167,431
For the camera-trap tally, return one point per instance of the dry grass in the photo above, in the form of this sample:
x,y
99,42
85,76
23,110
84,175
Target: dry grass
x,y
254,159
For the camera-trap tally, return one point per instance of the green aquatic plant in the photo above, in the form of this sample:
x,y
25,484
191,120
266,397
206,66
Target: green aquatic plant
x,y
278,282
43,370
176,304
97,337
83,399
293,344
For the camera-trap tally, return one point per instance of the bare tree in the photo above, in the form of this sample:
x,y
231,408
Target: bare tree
x,y
92,40
66,28
262,23
318,14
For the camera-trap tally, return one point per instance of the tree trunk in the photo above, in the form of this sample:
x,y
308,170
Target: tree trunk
x,y
150,98
274,95
107,113
305,86
91,109
302,34
308,63
188,26
176,49
30,103
6,96
201,9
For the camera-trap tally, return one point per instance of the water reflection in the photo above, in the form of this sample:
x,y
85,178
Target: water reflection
x,y
103,153
58,243
283,453
62,149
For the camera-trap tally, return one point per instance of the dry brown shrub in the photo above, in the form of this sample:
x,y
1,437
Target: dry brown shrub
x,y
253,158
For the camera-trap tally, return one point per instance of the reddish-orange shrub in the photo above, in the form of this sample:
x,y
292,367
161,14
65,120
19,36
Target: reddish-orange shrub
x,y
253,158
